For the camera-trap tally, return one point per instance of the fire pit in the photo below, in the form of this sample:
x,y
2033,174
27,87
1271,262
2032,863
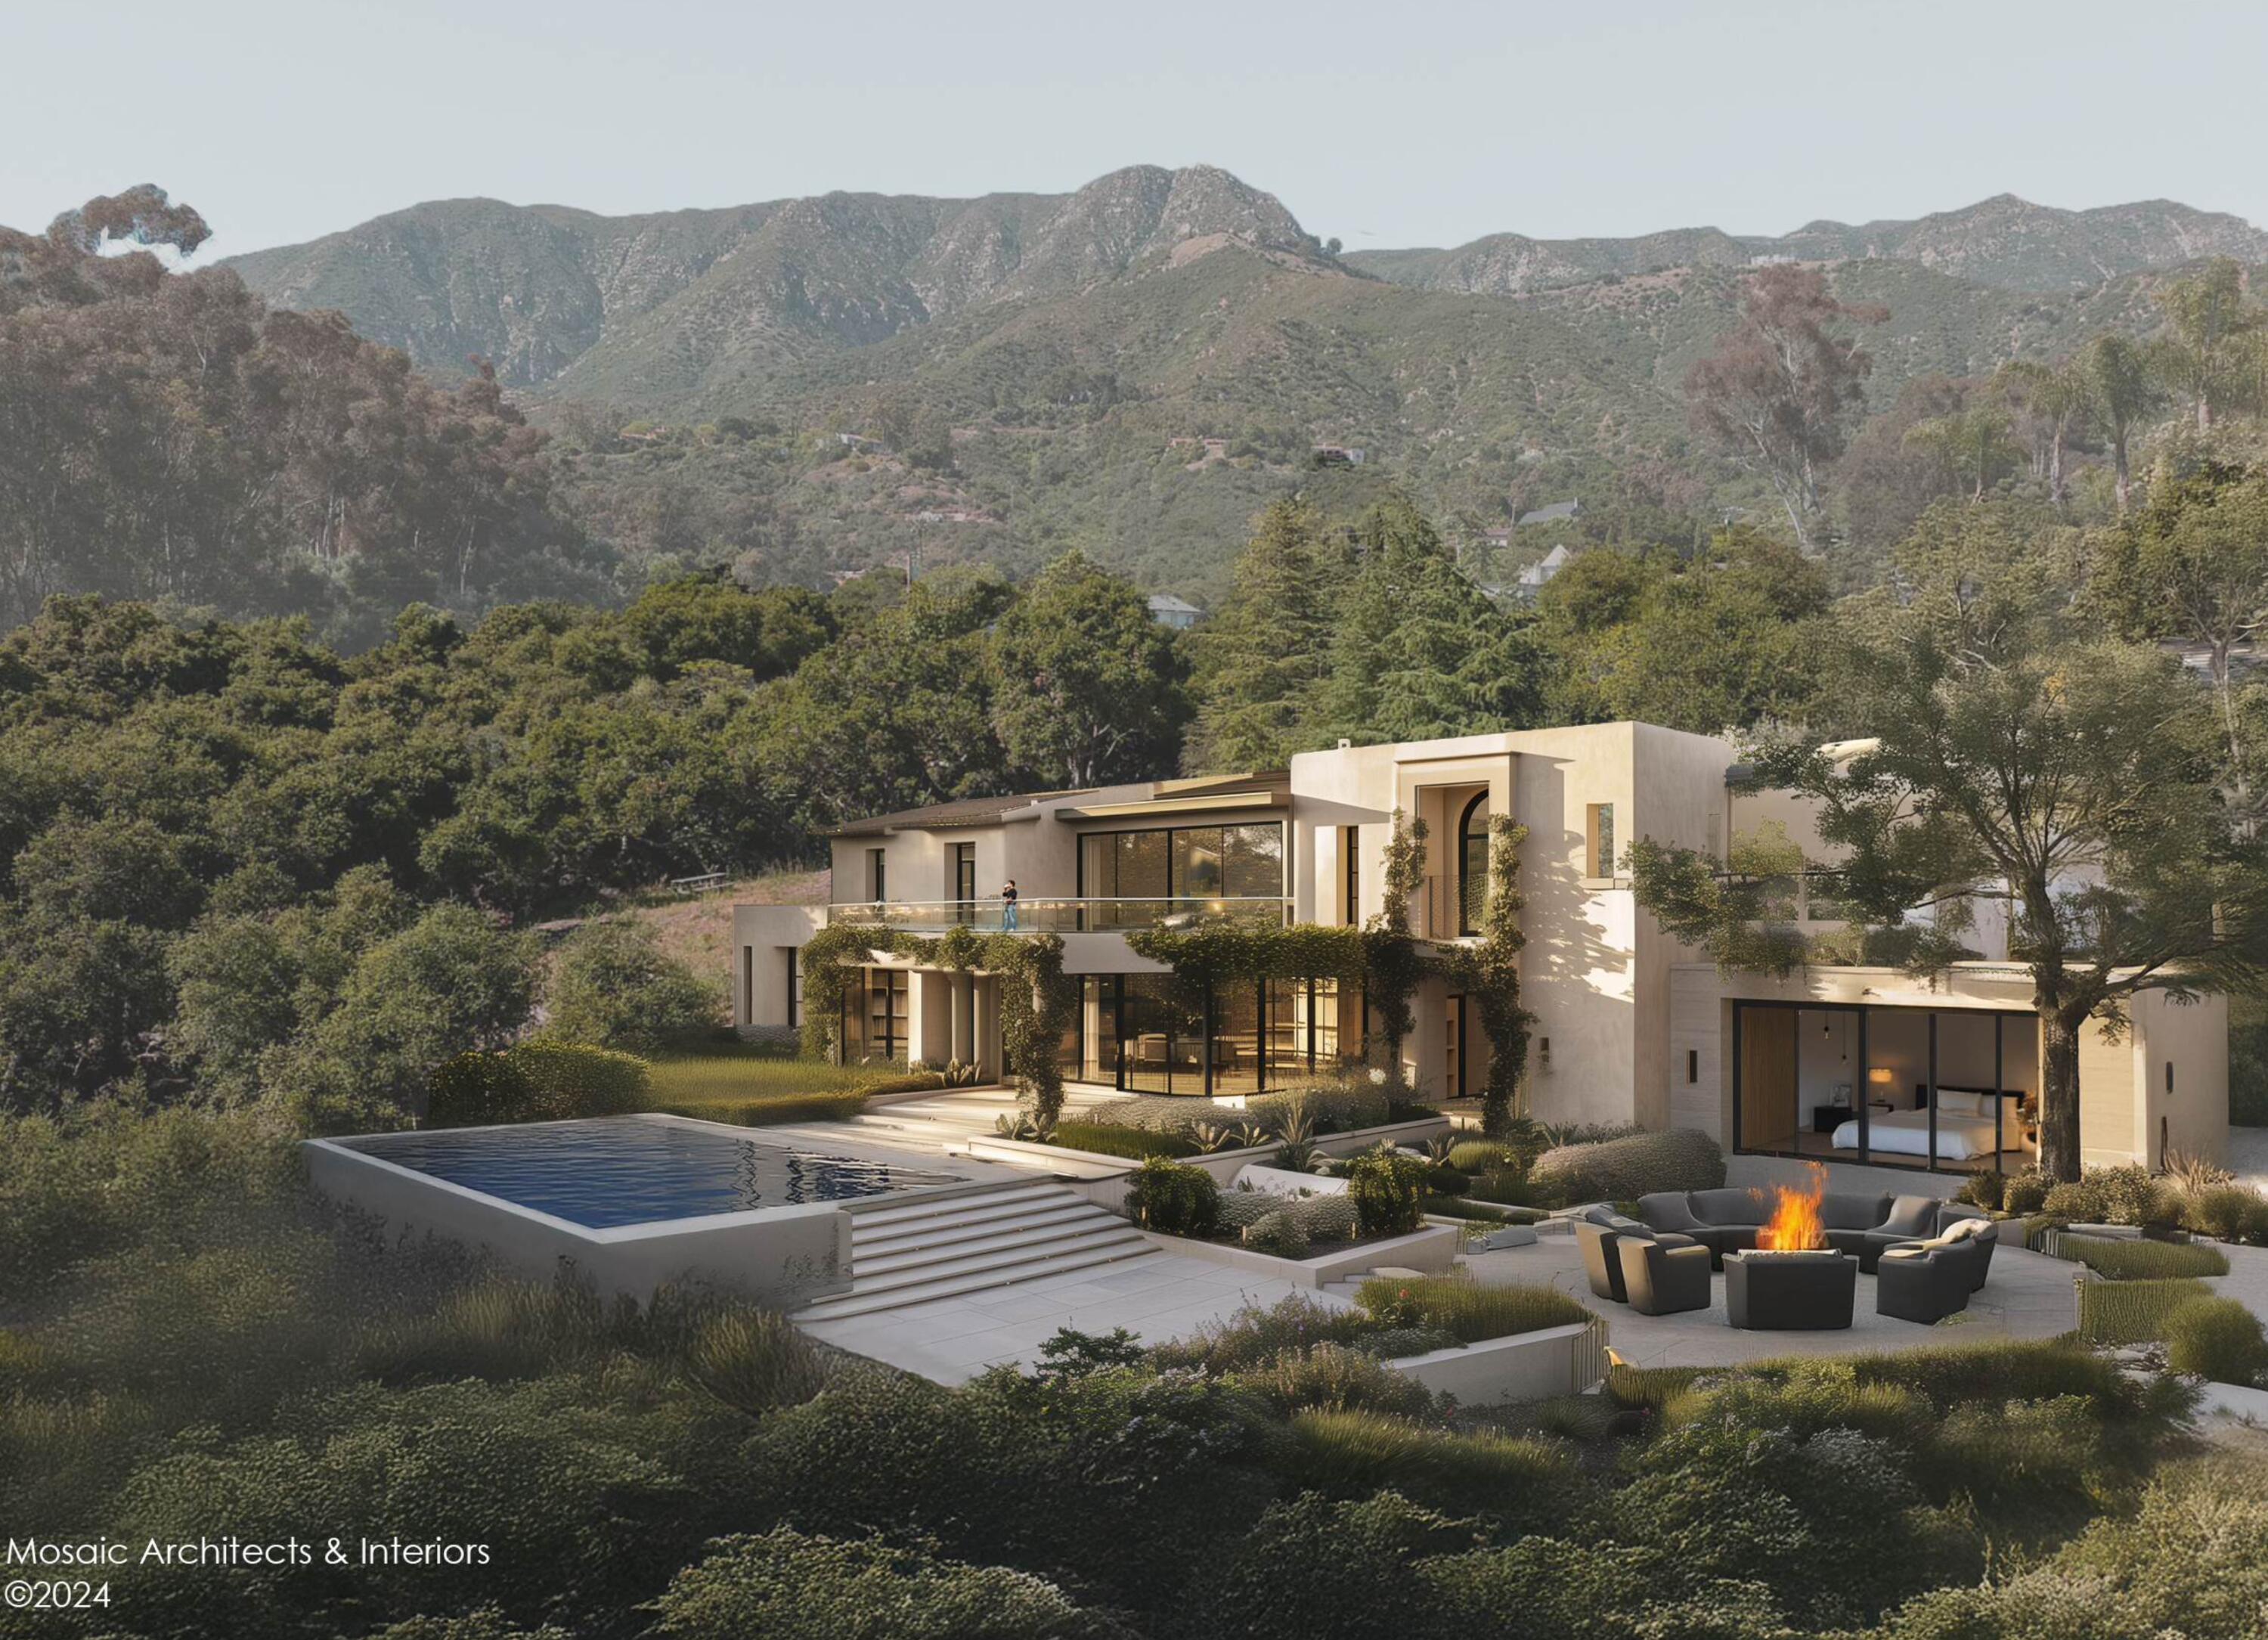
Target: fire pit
x,y
1792,1280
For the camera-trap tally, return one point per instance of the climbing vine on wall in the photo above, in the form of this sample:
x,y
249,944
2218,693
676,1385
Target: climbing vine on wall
x,y
1489,972
1391,954
1037,999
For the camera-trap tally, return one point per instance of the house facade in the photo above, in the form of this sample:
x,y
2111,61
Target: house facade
x,y
1628,1026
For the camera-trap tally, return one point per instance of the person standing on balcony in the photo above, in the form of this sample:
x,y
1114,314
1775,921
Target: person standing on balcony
x,y
1008,905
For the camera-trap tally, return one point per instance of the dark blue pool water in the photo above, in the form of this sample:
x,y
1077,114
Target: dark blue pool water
x,y
615,1170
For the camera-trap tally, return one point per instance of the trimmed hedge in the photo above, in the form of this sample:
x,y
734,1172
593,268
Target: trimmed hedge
x,y
1135,1142
1621,1169
2144,1260
535,1081
2132,1313
795,1107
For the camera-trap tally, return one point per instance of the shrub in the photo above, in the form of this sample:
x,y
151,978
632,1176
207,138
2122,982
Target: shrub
x,y
1254,1337
1340,1379
1983,1190
1387,1187
1465,1308
1279,1234
535,1081
1336,1104
2144,1260
1127,1141
1613,1170
1447,1181
2078,1200
797,1587
2217,1339
755,1360
2228,1212
1481,1155
1174,1198
2023,1195
912,1082
1334,1217
1354,1453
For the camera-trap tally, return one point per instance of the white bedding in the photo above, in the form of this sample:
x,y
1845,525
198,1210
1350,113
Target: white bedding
x,y
1906,1133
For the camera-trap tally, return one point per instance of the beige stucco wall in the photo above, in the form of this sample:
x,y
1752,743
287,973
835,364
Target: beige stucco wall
x,y
761,936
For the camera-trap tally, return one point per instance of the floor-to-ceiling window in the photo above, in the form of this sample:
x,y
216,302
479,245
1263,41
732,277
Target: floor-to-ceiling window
x,y
1944,1090
1147,1034
1130,877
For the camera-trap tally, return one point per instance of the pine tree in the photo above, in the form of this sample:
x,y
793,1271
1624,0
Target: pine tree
x,y
1261,659
1420,651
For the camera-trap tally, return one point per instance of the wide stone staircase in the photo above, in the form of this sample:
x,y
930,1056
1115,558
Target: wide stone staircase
x,y
910,1252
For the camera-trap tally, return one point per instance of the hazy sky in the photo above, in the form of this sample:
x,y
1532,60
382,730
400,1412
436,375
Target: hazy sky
x,y
1382,124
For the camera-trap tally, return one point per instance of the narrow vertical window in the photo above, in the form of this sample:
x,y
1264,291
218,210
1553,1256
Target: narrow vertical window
x,y
1599,839
1350,862
794,984
1692,1064
748,983
877,876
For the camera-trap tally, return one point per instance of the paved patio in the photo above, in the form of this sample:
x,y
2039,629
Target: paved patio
x,y
952,1339
2027,1296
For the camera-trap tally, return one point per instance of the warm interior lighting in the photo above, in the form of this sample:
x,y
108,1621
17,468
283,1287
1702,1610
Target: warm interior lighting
x,y
1795,1225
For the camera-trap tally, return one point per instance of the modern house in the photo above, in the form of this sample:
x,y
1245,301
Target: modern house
x,y
1834,1063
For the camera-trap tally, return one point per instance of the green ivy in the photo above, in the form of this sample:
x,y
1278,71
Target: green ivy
x,y
1490,973
1037,999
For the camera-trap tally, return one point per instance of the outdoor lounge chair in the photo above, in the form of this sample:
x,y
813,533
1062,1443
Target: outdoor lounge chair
x,y
1664,1275
1922,1281
1599,1233
1911,1218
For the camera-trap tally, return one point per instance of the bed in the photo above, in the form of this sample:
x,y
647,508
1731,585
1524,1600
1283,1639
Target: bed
x,y
1964,1127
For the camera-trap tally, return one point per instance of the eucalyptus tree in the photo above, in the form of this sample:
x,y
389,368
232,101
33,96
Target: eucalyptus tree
x,y
2122,391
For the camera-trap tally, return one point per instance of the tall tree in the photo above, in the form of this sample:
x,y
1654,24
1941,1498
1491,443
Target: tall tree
x,y
1974,447
1420,651
2059,399
2078,780
2193,565
1088,687
2116,370
1780,391
1260,661
2207,353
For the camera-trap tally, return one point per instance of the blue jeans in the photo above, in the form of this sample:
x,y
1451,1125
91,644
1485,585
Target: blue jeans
x,y
1008,917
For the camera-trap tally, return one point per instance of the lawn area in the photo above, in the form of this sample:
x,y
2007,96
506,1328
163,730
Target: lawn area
x,y
752,1083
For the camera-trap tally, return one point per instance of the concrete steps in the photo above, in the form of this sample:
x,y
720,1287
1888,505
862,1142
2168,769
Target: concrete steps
x,y
911,1252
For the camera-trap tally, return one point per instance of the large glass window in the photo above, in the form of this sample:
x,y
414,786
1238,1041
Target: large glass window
x,y
1236,1039
1145,1034
1177,863
1252,858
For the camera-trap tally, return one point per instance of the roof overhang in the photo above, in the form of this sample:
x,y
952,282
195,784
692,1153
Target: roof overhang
x,y
1170,806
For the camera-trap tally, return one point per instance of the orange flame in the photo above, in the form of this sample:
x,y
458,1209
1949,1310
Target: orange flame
x,y
1795,1225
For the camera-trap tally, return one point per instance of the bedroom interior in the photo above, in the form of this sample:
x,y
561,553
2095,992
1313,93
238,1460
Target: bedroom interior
x,y
1941,1090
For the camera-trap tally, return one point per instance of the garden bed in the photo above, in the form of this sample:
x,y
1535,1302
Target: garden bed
x,y
1432,1249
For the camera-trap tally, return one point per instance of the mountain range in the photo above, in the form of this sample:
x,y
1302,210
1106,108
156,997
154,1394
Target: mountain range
x,y
1136,367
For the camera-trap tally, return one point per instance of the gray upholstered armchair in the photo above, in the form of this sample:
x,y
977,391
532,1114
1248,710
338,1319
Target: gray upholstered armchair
x,y
1664,1275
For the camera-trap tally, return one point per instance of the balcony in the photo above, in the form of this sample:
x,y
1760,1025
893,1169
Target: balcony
x,y
1036,915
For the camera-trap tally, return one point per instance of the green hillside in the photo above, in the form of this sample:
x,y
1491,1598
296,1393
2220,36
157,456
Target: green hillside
x,y
1139,366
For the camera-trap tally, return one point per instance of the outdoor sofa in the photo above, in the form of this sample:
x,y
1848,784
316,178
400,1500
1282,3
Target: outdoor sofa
x,y
1727,1220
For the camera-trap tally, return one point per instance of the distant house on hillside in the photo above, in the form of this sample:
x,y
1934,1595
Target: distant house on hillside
x,y
1167,611
1339,456
1558,511
1498,536
1536,576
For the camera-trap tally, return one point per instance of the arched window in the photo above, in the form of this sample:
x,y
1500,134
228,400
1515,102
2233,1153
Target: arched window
x,y
1472,864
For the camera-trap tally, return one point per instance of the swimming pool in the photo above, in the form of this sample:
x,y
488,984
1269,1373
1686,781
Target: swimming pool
x,y
609,1172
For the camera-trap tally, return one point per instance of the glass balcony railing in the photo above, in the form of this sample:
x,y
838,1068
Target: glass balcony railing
x,y
1036,915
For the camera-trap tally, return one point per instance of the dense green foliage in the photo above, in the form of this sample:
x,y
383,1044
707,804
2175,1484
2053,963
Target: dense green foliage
x,y
197,1345
535,1081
